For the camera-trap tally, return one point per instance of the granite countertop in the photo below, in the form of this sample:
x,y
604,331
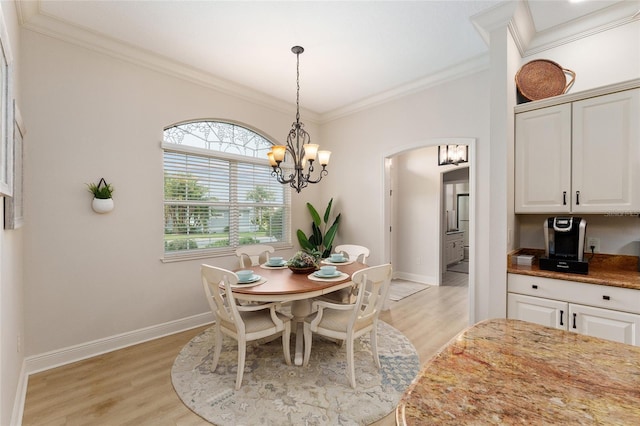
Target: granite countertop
x,y
604,269
505,371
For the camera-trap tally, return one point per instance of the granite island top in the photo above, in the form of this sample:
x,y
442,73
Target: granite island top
x,y
505,371
604,269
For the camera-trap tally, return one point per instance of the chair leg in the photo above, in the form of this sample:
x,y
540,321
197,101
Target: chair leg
x,y
374,346
242,353
218,349
307,344
351,374
286,340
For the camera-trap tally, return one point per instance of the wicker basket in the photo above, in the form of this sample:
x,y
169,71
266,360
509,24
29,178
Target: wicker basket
x,y
542,79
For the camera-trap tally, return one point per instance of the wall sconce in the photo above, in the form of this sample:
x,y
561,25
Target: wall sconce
x,y
452,154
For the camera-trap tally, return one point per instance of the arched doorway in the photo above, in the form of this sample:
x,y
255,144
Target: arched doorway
x,y
411,172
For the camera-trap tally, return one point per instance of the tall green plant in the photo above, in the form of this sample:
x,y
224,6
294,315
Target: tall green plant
x,y
320,241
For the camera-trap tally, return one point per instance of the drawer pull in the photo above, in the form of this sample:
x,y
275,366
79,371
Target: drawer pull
x,y
574,320
605,297
534,286
564,198
561,316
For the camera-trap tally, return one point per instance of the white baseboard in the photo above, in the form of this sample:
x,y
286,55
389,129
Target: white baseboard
x,y
46,361
422,279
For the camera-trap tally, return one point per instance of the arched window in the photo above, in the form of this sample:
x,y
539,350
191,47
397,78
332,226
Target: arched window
x,y
218,191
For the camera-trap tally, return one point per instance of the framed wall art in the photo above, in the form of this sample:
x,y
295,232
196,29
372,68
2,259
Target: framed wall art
x,y
6,113
13,206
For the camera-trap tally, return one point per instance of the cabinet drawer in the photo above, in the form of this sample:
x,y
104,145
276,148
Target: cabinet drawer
x,y
601,296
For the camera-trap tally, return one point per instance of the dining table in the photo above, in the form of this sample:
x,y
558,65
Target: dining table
x,y
280,284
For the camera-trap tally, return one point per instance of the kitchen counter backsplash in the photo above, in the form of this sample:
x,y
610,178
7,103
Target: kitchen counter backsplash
x,y
615,270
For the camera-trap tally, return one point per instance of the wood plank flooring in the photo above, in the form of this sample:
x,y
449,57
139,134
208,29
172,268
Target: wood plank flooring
x,y
132,386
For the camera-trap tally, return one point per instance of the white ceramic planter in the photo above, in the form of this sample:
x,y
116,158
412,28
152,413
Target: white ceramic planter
x,y
102,205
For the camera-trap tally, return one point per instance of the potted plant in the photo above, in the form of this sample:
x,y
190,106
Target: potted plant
x,y
302,263
320,241
102,196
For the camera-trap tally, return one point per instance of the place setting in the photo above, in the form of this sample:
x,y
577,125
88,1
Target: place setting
x,y
328,273
247,278
275,262
337,259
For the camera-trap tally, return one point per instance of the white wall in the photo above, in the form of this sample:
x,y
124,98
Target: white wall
x,y
360,143
416,226
91,276
11,249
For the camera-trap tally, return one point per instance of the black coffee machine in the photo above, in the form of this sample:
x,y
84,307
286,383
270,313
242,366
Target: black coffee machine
x,y
564,239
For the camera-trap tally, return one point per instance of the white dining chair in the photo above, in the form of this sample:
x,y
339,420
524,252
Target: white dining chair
x,y
354,252
243,323
253,254
347,322
357,254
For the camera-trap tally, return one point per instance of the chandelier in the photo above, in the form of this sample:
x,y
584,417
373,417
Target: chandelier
x,y
299,147
452,154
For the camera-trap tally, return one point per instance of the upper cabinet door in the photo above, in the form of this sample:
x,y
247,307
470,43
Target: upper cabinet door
x,y
543,160
606,154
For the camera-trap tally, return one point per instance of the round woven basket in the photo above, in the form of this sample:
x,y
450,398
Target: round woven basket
x,y
305,270
542,78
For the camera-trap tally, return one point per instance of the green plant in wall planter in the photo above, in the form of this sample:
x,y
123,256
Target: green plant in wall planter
x,y
320,241
102,196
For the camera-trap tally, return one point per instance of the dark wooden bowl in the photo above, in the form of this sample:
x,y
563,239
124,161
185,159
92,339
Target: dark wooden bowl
x,y
304,270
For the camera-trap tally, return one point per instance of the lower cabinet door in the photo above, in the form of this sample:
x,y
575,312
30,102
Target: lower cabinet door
x,y
611,325
551,313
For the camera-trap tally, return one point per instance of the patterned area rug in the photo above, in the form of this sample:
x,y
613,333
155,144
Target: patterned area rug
x,y
274,393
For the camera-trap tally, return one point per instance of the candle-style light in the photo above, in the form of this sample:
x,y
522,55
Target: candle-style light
x,y
299,147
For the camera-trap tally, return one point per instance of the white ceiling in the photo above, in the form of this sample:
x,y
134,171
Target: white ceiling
x,y
354,50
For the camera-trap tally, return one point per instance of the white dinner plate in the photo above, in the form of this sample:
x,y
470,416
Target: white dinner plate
x,y
321,275
253,279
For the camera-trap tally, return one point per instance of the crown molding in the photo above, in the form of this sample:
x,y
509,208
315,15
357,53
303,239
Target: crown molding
x,y
611,17
517,17
472,66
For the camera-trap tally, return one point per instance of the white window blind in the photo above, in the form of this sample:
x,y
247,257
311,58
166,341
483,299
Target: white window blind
x,y
218,195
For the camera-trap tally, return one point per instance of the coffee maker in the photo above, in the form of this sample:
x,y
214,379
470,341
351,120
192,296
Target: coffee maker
x,y
564,239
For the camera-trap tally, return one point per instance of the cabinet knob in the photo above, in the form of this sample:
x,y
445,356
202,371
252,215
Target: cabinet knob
x,y
605,297
534,286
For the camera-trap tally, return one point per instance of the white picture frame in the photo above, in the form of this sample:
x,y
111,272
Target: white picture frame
x,y
14,205
6,112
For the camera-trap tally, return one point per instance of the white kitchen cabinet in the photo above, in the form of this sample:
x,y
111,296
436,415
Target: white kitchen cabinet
x,y
543,160
606,153
454,247
579,157
611,313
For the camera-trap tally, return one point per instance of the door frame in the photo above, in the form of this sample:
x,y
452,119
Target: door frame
x,y
388,208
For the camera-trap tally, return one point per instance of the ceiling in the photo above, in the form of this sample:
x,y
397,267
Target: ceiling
x,y
355,51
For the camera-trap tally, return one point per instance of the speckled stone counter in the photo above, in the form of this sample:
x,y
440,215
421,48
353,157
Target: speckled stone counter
x,y
604,269
514,372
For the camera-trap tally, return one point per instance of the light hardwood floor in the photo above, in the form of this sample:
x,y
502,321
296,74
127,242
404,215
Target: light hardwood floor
x,y
132,386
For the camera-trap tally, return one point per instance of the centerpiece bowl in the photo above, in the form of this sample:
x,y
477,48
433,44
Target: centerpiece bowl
x,y
302,263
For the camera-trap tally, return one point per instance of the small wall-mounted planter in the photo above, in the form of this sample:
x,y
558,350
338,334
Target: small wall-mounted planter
x,y
102,205
102,201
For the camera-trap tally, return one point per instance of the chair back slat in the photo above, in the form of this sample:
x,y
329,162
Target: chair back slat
x,y
373,288
354,252
250,255
217,284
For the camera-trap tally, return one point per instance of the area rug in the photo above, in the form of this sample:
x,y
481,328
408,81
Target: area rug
x,y
459,267
401,289
274,393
